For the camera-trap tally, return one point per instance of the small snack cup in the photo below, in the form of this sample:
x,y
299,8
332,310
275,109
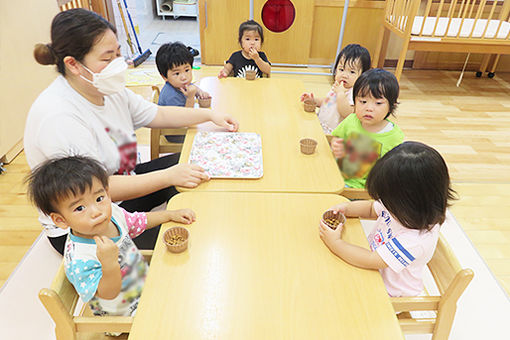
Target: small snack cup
x,y
250,74
309,105
176,239
333,220
204,102
307,146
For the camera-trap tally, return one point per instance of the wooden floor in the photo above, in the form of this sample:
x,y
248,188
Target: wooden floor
x,y
469,125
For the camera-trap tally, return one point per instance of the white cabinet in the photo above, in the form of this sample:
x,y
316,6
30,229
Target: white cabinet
x,y
177,8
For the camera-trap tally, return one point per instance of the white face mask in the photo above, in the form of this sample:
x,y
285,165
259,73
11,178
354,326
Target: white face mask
x,y
111,79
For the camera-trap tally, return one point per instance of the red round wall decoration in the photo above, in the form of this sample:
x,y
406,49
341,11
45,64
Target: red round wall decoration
x,y
278,15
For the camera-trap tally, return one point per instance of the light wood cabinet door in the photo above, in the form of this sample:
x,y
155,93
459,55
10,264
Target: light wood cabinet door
x,y
219,25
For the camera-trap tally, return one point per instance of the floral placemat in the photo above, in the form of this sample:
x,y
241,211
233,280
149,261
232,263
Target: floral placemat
x,y
228,154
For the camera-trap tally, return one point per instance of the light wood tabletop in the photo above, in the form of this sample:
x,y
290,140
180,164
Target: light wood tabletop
x,y
271,108
257,269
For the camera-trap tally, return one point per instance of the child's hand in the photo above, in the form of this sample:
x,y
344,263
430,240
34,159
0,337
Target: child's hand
x,y
107,251
203,95
337,146
342,207
189,90
306,96
328,235
339,88
186,216
223,74
253,53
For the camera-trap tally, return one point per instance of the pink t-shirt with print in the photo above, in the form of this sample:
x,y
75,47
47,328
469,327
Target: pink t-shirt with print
x,y
405,251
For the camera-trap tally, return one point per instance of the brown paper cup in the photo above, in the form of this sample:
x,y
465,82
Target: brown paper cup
x,y
307,146
176,239
309,105
251,75
333,220
204,102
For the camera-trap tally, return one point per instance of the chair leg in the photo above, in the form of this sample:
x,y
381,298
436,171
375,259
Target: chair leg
x,y
155,136
401,59
483,65
494,65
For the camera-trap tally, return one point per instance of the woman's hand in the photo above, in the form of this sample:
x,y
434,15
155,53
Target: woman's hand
x,y
224,120
337,146
186,175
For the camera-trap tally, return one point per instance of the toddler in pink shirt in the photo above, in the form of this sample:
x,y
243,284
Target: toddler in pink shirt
x,y
411,188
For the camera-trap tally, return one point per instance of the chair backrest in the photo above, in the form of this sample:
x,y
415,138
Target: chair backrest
x,y
158,143
451,280
61,300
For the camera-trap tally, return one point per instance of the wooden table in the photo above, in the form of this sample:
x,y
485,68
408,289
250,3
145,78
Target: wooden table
x,y
271,108
257,269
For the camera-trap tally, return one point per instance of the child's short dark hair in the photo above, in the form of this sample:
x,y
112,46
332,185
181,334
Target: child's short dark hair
x,y
412,182
352,54
378,83
171,55
250,25
59,178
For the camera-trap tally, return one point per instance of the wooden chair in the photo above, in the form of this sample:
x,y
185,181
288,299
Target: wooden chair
x,y
60,301
466,26
451,281
159,144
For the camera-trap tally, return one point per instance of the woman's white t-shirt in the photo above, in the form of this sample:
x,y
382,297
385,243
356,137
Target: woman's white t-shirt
x,y
61,122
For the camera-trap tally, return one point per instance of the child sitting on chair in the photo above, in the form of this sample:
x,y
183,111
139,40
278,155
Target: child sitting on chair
x,y
249,58
101,261
175,64
367,134
411,188
351,62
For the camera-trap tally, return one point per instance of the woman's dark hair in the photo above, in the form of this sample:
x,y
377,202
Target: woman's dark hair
x,y
172,55
353,54
250,25
73,33
412,182
59,178
380,84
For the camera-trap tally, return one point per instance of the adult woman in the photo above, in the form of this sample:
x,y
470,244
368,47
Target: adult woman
x,y
88,111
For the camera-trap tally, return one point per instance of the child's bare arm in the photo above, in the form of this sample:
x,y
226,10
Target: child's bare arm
x,y
111,282
225,71
363,209
350,253
343,106
155,218
189,91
